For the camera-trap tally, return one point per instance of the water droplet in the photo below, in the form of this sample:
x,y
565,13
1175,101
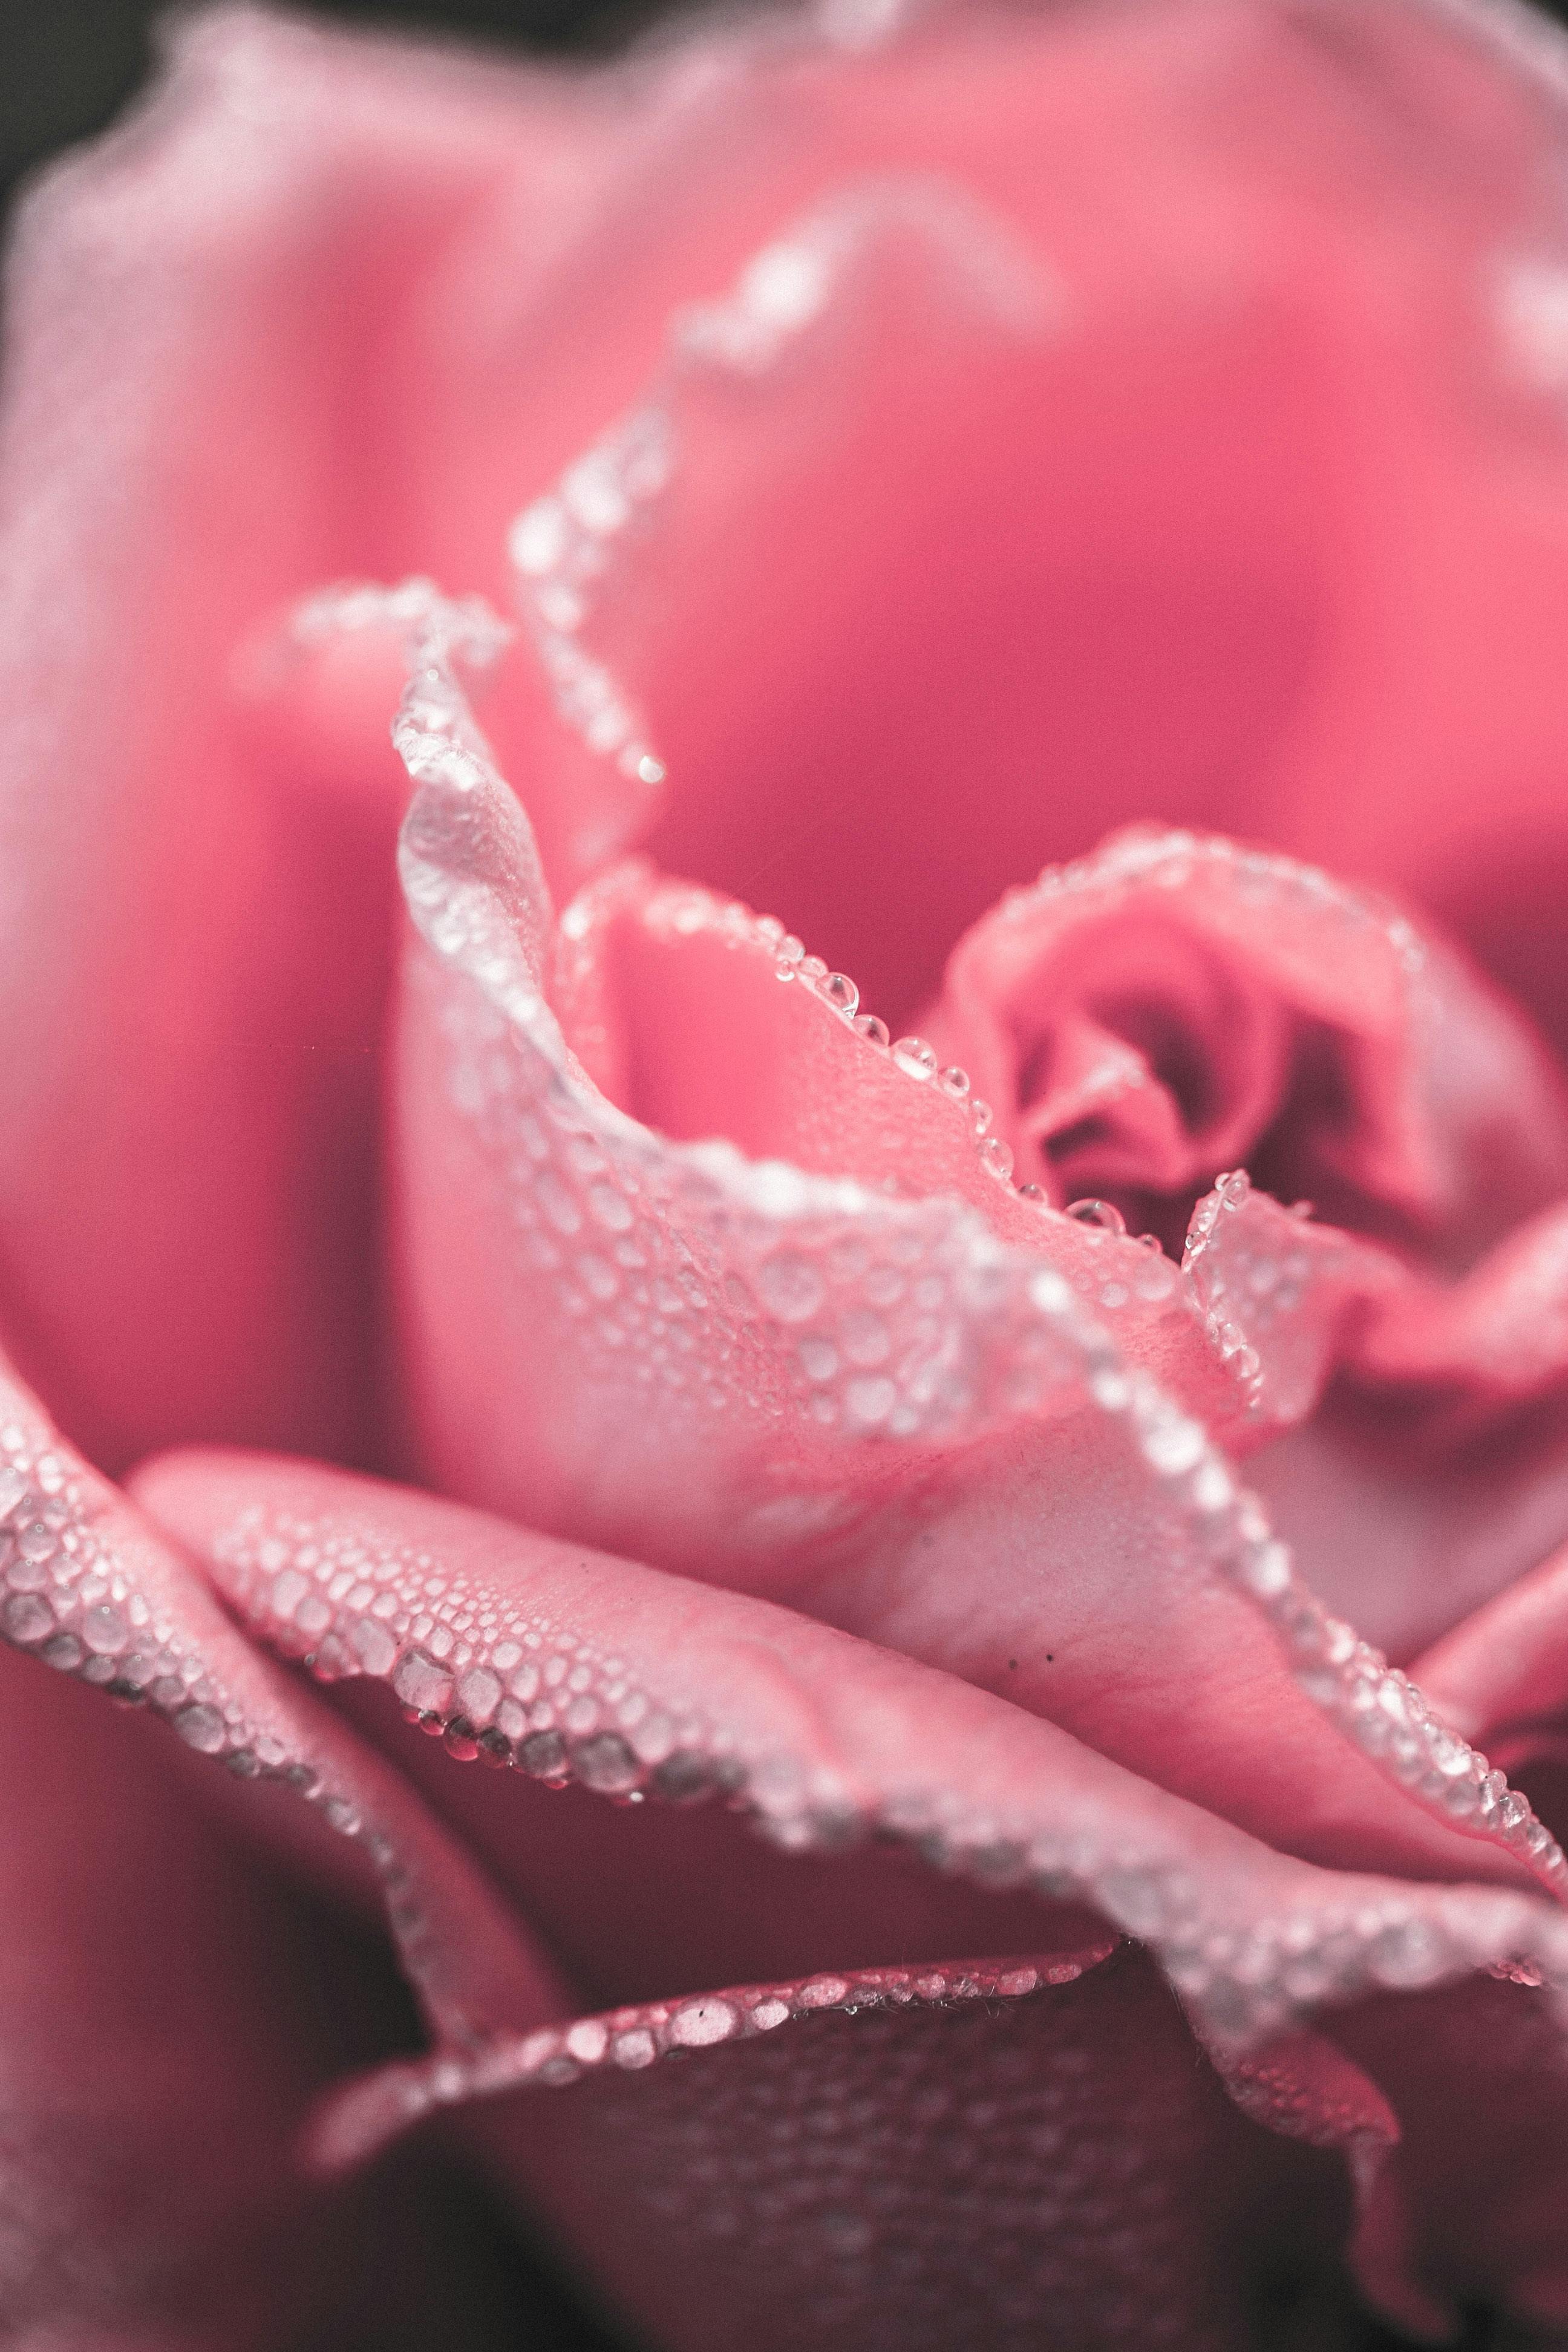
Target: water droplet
x,y
543,1754
684,1777
875,1031
701,2023
839,991
36,1542
423,1685
869,1401
1103,1213
372,1645
588,2040
201,1727
980,1115
954,1081
634,2049
610,1208
605,1763
105,1631
13,1488
996,1158
789,1287
479,1695
27,1618
1032,1192
915,1058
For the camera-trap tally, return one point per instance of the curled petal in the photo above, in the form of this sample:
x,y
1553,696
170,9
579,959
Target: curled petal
x,y
790,1383
566,1665
573,1665
1177,1005
92,1591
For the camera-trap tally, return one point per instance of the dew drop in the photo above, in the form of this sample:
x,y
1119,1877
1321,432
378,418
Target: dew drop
x,y
954,1081
36,1541
915,1058
701,2023
543,1754
685,1777
104,1630
789,1287
27,1618
13,1486
201,1727
996,1158
479,1695
839,991
587,2040
634,2049
1103,1213
372,1645
421,1684
606,1763
875,1031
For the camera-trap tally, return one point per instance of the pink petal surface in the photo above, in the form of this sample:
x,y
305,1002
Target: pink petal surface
x,y
573,1666
195,928
813,1388
95,1592
1210,1006
1281,376
185,1965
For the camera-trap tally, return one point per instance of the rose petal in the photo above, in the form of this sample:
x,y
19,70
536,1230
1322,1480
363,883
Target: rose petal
x,y
1275,355
936,2177
193,953
1433,1472
1476,2072
796,1384
92,1591
1272,1017
821,1737
1507,1665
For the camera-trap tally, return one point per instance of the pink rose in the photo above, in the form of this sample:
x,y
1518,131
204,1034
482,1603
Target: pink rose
x,y
908,457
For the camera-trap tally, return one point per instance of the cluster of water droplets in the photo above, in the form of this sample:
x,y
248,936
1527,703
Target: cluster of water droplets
x,y
502,1685
69,1602
630,2038
1143,856
883,1318
563,544
71,1597
507,1685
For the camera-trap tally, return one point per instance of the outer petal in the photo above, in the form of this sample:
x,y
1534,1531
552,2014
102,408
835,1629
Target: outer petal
x,y
619,1674
182,1968
194,945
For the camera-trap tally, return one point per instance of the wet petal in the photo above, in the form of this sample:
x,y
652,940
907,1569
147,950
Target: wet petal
x,y
577,1666
1177,1005
1279,346
93,1592
807,1386
573,1665
194,948
1432,1472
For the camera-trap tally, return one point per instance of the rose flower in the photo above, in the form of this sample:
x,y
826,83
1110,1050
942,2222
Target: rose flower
x,y
784,1472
